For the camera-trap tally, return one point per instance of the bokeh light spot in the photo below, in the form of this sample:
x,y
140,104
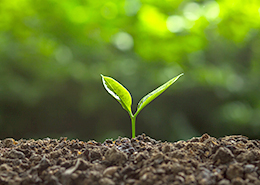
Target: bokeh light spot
x,y
132,7
211,10
63,54
192,11
175,23
123,41
234,83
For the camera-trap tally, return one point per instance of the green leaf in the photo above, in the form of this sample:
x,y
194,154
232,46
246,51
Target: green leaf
x,y
154,94
119,92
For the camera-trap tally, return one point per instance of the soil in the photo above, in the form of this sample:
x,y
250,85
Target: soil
x,y
139,161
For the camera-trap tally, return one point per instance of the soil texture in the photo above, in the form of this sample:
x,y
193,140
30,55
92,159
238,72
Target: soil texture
x,y
140,161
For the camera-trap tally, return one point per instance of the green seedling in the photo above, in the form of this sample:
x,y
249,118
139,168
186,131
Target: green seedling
x,y
122,95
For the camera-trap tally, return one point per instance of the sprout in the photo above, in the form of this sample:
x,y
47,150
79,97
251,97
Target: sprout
x,y
122,95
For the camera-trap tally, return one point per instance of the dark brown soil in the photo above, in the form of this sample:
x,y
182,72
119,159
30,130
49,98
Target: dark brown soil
x,y
200,160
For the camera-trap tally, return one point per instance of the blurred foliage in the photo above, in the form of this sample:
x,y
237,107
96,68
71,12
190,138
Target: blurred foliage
x,y
53,52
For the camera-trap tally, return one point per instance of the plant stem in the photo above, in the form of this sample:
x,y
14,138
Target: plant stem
x,y
133,126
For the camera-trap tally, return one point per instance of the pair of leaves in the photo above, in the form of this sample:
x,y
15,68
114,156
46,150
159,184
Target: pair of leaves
x,y
122,95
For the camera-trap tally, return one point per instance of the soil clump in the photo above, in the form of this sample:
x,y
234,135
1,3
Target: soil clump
x,y
140,161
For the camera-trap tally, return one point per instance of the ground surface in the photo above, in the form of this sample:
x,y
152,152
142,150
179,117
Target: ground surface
x,y
201,160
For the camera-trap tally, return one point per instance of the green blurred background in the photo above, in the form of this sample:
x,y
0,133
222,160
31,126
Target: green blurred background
x,y
53,52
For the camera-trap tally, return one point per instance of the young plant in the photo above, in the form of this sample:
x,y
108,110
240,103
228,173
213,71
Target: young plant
x,y
121,94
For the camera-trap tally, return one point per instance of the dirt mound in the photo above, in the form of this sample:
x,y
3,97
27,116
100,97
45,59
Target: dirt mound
x,y
140,161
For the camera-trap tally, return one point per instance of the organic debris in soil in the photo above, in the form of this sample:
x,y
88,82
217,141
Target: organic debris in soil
x,y
139,161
